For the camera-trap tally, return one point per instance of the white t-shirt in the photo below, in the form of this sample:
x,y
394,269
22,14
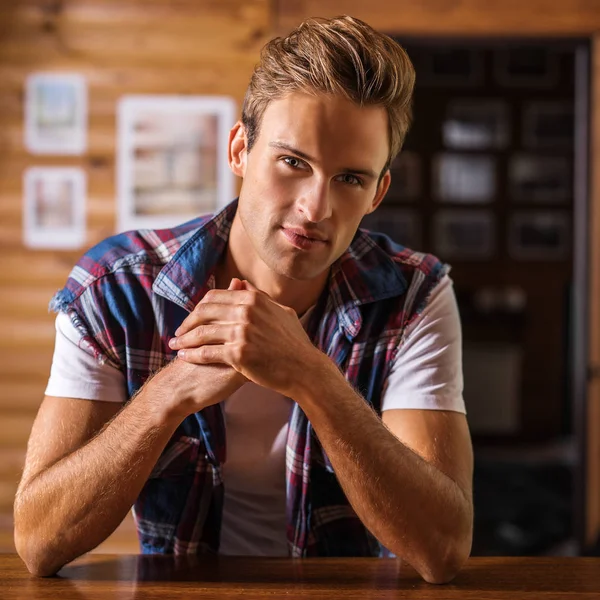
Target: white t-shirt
x,y
427,374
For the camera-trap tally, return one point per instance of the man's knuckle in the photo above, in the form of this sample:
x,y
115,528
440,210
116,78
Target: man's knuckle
x,y
245,313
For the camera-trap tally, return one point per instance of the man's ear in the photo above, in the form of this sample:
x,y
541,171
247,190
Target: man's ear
x,y
237,150
382,189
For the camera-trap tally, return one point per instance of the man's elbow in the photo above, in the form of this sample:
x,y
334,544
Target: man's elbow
x,y
447,559
40,561
444,569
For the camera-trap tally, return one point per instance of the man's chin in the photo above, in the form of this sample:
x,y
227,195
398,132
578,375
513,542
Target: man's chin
x,y
298,271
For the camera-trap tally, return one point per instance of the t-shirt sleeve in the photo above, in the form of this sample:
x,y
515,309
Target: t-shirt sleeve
x,y
76,373
427,371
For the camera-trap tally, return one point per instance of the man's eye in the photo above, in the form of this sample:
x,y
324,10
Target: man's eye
x,y
294,162
351,179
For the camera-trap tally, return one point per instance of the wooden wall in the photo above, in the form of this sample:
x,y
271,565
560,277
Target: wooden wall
x,y
169,46
121,47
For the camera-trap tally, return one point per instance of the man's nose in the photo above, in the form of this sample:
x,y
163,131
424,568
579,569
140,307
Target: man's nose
x,y
315,202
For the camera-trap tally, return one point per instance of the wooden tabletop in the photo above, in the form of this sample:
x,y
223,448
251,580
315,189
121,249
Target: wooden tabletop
x,y
120,577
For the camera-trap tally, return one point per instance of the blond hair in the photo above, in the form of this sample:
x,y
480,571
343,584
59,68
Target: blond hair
x,y
342,56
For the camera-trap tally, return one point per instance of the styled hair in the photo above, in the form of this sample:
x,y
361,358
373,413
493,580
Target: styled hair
x,y
342,56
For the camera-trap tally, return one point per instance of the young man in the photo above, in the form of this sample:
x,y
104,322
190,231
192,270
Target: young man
x,y
312,400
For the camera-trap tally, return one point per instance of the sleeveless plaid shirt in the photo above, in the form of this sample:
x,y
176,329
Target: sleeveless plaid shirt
x,y
127,295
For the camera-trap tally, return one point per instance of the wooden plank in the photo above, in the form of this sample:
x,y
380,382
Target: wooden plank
x,y
22,396
25,362
44,268
11,464
191,40
22,334
8,490
114,12
14,431
453,17
28,302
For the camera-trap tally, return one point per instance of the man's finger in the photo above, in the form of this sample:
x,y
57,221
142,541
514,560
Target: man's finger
x,y
205,355
246,285
215,333
236,284
205,313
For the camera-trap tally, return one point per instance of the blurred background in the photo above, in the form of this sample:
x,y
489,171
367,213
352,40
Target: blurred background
x,y
497,178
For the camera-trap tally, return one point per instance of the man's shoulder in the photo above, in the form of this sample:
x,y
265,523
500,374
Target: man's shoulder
x,y
406,260
131,255
150,246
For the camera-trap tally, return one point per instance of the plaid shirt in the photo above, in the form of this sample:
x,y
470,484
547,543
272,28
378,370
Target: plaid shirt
x,y
127,295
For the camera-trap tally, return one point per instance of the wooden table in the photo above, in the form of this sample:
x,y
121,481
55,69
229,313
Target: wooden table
x,y
121,577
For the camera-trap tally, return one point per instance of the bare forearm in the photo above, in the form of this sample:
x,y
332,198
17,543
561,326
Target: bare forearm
x,y
411,507
72,506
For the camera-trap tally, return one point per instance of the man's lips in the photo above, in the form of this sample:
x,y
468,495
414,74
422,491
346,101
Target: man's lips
x,y
302,239
311,235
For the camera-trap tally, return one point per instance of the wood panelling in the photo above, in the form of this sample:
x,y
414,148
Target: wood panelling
x,y
120,47
454,17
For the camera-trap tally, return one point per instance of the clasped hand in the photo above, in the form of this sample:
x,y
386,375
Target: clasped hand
x,y
244,328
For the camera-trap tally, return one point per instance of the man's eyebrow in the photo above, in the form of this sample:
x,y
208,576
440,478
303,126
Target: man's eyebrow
x,y
291,149
307,157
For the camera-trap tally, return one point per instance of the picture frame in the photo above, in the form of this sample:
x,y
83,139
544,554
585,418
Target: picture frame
x,y
526,66
54,207
464,178
476,124
540,236
406,175
452,67
172,159
401,225
538,179
549,125
464,234
56,113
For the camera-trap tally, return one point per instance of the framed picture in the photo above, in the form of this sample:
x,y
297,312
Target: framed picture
x,y
476,124
55,114
464,178
172,159
526,66
54,207
406,178
549,125
464,234
540,178
447,66
540,236
403,226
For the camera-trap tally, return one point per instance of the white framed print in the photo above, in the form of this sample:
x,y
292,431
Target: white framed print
x,y
476,124
56,113
172,159
464,178
54,212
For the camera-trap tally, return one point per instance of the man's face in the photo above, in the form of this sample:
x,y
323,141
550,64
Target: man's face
x,y
309,179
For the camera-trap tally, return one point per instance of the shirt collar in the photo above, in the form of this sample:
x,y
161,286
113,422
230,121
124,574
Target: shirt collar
x,y
364,273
